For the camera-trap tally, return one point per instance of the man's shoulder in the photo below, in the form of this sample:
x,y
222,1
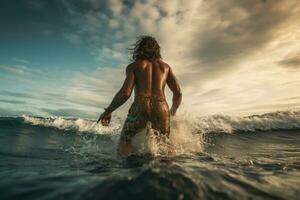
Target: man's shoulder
x,y
136,63
164,65
132,65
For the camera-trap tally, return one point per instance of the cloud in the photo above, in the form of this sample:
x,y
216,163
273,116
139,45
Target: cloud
x,y
204,41
95,89
20,60
225,53
230,34
115,6
13,112
291,61
20,70
268,107
36,4
73,38
12,101
211,92
291,98
110,54
211,34
238,28
16,94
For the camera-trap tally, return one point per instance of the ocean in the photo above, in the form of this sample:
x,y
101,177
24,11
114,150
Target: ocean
x,y
216,157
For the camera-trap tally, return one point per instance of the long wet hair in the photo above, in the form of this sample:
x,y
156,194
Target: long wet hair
x,y
146,47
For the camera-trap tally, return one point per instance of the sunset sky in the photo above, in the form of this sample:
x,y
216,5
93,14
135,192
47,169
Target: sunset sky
x,y
68,57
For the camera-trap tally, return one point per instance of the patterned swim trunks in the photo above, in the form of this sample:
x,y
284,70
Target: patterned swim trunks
x,y
146,109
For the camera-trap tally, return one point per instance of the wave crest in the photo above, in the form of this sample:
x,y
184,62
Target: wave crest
x,y
281,120
80,125
186,134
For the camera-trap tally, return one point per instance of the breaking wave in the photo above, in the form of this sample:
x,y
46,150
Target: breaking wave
x,y
281,120
187,134
80,125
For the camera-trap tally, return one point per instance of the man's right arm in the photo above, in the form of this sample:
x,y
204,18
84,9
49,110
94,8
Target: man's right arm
x,y
173,84
121,97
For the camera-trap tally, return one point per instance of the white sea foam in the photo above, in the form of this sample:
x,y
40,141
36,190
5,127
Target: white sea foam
x,y
80,125
186,132
182,140
285,120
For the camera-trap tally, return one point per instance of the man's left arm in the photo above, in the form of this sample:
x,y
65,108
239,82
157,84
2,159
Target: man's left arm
x,y
120,98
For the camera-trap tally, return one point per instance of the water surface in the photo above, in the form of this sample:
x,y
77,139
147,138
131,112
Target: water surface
x,y
56,158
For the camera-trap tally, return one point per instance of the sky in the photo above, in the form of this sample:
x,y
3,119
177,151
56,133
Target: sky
x,y
68,57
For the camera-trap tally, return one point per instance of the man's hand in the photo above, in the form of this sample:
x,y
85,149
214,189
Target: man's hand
x,y
104,118
173,111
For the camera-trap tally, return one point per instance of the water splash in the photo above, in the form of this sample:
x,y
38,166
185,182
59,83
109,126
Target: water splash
x,y
182,140
186,133
281,120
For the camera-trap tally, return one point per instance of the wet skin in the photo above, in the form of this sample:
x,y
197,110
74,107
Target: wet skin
x,y
147,78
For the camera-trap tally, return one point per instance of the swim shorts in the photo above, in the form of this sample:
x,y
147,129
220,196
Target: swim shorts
x,y
147,109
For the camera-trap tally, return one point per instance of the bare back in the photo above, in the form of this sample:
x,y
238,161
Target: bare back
x,y
150,77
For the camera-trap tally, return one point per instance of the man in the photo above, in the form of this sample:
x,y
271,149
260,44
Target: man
x,y
148,75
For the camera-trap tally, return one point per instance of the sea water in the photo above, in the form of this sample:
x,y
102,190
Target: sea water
x,y
213,157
